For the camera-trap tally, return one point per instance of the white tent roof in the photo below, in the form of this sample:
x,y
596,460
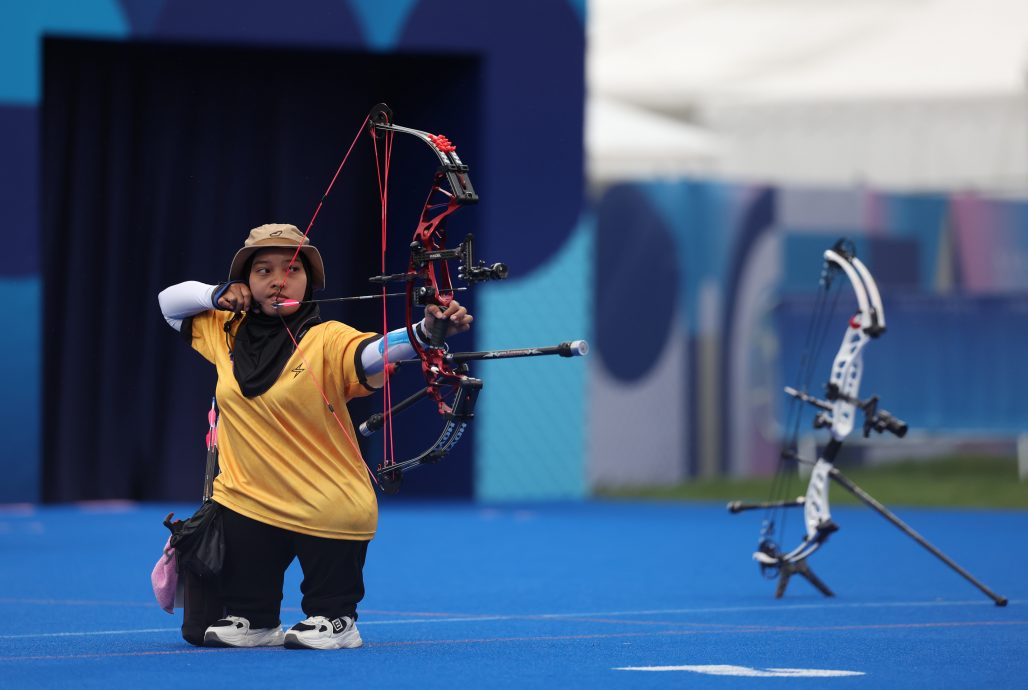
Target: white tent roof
x,y
625,141
898,93
668,53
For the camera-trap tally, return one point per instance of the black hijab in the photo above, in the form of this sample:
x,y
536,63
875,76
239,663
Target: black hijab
x,y
262,345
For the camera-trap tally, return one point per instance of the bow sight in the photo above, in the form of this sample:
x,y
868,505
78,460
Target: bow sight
x,y
467,270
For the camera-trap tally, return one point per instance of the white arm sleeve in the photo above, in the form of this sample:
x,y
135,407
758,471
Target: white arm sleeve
x,y
373,356
185,299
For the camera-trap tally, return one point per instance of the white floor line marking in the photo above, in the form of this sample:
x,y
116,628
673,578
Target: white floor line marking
x,y
776,607
826,606
651,612
74,602
539,616
87,634
462,619
745,671
740,630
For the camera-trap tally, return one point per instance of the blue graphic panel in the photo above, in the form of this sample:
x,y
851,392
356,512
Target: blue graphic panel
x,y
19,194
580,9
382,20
142,14
22,26
298,22
20,352
531,428
699,214
945,364
530,176
637,290
921,218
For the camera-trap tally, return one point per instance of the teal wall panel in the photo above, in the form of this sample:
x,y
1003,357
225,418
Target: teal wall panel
x,y
20,370
530,436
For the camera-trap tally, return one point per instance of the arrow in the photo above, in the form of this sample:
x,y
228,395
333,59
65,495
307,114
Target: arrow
x,y
296,303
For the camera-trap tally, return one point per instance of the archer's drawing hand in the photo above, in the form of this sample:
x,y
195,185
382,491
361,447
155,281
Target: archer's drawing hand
x,y
457,317
237,298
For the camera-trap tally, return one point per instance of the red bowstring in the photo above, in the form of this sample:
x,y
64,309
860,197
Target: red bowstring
x,y
321,203
382,173
303,357
334,177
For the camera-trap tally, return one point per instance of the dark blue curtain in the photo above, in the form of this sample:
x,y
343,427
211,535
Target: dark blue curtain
x,y
156,161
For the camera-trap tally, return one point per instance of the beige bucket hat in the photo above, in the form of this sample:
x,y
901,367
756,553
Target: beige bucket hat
x,y
279,235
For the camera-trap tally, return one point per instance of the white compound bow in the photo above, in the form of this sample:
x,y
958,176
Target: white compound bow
x,y
837,412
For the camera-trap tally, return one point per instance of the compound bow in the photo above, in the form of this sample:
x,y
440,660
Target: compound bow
x,y
427,281
836,412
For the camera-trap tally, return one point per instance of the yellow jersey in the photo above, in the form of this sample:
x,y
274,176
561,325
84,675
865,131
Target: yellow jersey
x,y
283,459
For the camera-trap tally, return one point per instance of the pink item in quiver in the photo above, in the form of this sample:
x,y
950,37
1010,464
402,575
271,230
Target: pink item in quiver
x,y
164,578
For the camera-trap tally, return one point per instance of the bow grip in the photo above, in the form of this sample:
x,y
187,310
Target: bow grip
x,y
437,334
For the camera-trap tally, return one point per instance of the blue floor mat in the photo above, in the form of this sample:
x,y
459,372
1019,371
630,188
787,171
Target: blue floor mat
x,y
576,595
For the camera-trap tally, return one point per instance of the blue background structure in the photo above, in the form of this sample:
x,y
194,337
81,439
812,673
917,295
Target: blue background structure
x,y
692,291
715,285
533,101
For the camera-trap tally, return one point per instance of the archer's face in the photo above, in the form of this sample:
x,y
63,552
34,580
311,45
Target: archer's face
x,y
273,279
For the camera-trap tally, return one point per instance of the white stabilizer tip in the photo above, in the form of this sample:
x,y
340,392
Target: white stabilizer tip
x,y
579,348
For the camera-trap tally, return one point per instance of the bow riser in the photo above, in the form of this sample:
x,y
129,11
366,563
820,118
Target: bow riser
x,y
866,324
847,371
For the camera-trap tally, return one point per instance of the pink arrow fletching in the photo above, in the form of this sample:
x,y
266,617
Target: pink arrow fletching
x,y
212,434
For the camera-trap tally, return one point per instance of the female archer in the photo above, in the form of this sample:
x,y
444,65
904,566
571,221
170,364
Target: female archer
x,y
292,483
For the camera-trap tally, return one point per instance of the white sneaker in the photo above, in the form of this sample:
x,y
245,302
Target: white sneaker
x,y
318,632
234,631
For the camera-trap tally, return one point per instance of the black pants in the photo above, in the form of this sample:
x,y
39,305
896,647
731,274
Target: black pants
x,y
256,558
